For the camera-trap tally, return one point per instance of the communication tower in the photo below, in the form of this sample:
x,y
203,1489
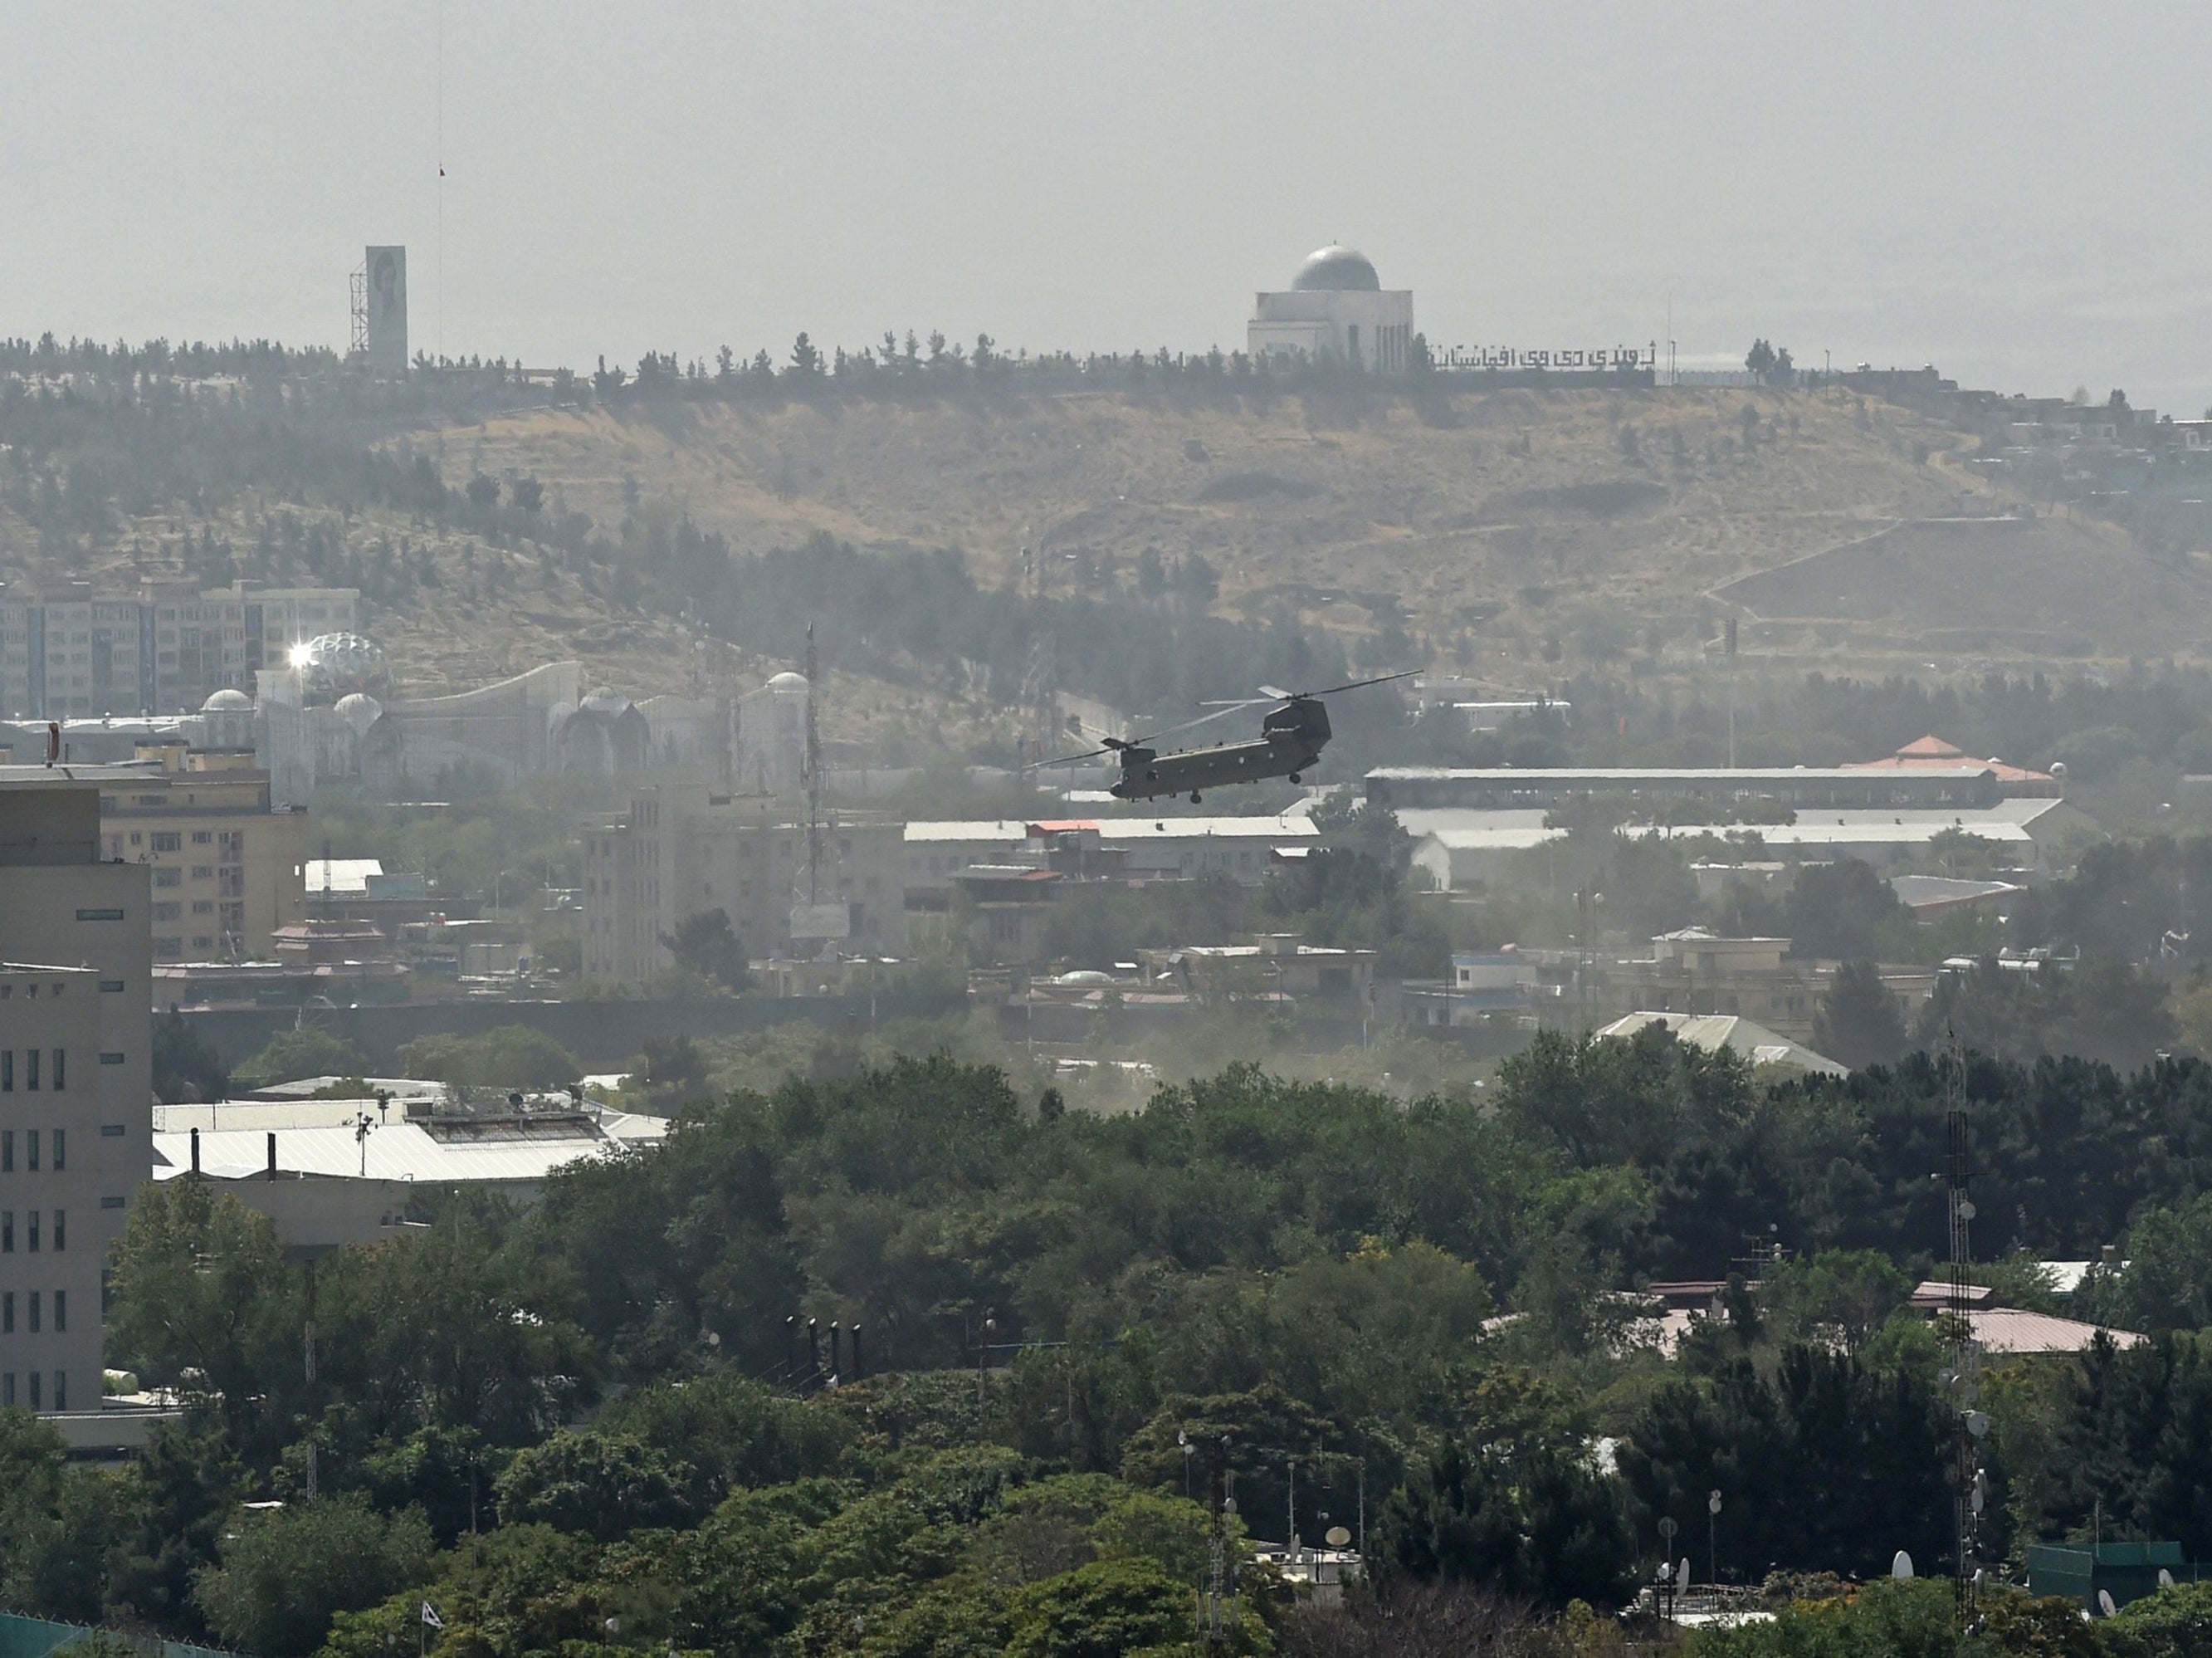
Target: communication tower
x,y
357,336
813,774
1969,1485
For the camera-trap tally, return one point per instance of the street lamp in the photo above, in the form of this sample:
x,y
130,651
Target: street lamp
x,y
1712,1522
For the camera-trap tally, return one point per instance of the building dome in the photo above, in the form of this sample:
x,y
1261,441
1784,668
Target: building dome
x,y
1336,268
227,701
787,681
332,665
358,710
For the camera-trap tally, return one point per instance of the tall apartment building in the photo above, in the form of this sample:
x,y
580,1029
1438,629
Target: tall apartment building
x,y
75,1077
684,851
228,867
76,654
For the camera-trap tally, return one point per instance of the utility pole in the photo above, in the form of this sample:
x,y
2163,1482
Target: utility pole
x,y
813,774
1729,629
1969,1485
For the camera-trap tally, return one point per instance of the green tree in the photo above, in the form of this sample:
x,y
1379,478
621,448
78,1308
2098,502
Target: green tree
x,y
705,944
285,1572
604,1486
294,1054
1543,1525
186,1071
1107,1609
205,1301
1857,1022
1841,910
509,1057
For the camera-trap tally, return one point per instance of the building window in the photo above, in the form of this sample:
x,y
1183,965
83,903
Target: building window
x,y
168,840
113,1203
61,1145
31,1155
61,1377
8,1323
111,1060
35,1299
167,877
31,1085
61,1328
102,915
8,1380
6,1070
7,1231
110,986
61,1085
31,1231
36,1404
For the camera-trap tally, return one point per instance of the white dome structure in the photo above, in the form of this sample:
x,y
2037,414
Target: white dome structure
x,y
359,710
332,665
1336,268
787,681
227,701
1335,314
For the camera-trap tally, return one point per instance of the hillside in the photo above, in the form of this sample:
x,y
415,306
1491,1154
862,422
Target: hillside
x,y
1523,536
1599,524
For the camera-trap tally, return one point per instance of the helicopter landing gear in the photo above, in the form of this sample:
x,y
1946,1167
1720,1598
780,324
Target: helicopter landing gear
x,y
1294,776
1193,797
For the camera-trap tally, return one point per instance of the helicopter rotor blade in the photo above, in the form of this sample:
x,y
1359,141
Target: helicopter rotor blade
x,y
1221,712
1356,684
1067,760
1279,693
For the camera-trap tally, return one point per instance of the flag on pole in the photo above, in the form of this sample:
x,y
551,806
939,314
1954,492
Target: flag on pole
x,y
430,1618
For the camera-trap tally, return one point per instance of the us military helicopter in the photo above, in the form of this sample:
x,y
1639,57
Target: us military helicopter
x,y
1291,736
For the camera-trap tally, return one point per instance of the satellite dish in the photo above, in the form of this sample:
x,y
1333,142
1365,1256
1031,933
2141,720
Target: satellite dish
x,y
1337,1538
1713,1504
2164,1578
2105,1602
1682,1577
1901,1567
1667,1528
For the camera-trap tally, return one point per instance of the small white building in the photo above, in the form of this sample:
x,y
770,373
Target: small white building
x,y
1337,311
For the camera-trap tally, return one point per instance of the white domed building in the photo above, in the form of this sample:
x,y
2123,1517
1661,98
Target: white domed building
x,y
772,736
227,721
1335,312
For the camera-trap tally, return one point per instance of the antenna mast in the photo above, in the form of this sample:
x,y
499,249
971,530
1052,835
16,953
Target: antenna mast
x,y
813,776
1970,1487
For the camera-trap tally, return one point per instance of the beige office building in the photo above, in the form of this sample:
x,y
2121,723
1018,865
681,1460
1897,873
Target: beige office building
x,y
75,1078
229,869
685,849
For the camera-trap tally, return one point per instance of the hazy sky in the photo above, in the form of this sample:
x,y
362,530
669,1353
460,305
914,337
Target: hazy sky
x,y
2016,192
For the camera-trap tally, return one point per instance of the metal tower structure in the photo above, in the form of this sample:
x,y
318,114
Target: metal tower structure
x,y
357,339
1969,1485
1041,674
813,773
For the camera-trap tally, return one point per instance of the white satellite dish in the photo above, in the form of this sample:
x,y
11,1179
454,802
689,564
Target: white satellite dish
x,y
2164,1578
1682,1577
1901,1567
2105,1602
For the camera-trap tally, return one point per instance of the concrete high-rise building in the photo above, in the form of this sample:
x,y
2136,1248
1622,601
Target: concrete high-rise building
x,y
75,1078
685,849
75,653
229,868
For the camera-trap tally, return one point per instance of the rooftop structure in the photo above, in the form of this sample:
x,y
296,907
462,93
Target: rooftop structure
x,y
1402,786
1932,753
1714,1032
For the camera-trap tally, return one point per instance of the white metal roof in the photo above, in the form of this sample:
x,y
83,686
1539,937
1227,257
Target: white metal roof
x,y
347,875
1713,1031
398,1151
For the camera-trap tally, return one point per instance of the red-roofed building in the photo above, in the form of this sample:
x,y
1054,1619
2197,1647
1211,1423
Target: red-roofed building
x,y
1932,753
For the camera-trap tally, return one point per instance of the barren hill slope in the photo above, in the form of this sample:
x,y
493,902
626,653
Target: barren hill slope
x,y
1508,525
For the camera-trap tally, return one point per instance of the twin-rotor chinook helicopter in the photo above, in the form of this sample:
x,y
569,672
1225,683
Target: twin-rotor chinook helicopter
x,y
1291,736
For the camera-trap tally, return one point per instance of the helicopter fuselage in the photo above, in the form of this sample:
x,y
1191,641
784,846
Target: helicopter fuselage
x,y
1290,743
